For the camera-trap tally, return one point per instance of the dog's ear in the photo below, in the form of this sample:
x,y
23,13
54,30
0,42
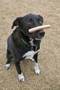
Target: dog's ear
x,y
17,22
40,18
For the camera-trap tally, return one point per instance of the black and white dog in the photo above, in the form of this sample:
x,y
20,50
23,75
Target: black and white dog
x,y
22,45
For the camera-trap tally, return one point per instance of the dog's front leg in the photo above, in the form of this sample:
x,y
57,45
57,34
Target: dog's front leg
x,y
36,65
20,74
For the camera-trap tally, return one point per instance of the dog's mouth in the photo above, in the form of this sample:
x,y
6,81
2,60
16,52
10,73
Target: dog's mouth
x,y
37,35
40,36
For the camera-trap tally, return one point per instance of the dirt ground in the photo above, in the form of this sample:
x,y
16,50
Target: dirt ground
x,y
49,56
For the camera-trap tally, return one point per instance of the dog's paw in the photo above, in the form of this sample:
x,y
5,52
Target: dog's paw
x,y
7,66
21,77
37,69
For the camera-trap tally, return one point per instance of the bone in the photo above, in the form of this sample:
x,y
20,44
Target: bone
x,y
39,28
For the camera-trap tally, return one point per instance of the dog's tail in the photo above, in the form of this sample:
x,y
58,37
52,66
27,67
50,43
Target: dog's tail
x,y
16,22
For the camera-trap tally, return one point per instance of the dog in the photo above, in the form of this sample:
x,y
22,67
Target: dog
x,y
22,45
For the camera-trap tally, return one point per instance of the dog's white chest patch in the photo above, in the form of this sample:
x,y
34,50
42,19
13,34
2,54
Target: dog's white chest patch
x,y
29,55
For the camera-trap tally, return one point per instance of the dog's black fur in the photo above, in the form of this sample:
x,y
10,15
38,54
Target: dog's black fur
x,y
18,42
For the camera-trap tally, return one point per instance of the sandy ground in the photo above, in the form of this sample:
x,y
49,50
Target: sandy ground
x,y
49,56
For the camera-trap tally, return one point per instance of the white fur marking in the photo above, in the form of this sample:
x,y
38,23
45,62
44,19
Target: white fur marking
x,y
29,55
36,68
31,42
7,66
21,77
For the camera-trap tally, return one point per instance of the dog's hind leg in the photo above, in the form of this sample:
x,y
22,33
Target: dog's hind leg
x,y
20,74
9,60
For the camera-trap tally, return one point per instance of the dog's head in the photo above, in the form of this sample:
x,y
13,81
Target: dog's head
x,y
29,21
